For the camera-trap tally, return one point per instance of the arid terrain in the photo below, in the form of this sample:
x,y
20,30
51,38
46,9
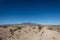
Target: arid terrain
x,y
29,31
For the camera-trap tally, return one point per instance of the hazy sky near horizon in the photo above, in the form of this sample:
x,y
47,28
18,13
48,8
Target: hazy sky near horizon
x,y
35,11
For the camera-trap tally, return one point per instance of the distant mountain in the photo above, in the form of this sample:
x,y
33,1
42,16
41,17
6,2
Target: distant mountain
x,y
27,23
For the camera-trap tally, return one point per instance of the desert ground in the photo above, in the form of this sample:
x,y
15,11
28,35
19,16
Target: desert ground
x,y
29,32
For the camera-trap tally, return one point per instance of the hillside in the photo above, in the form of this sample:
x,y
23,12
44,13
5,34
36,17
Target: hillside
x,y
29,31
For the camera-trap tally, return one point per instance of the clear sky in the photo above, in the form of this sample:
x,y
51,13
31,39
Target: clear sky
x,y
35,11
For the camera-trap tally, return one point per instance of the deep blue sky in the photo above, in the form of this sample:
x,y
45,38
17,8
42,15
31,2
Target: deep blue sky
x,y
35,11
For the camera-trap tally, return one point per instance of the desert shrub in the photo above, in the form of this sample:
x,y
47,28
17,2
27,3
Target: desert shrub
x,y
50,28
55,28
1,38
4,26
19,27
34,27
39,27
12,31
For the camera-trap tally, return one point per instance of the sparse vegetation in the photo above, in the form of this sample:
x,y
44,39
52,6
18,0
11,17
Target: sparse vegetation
x,y
39,27
19,28
29,30
55,28
4,26
12,31
34,27
1,38
50,28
